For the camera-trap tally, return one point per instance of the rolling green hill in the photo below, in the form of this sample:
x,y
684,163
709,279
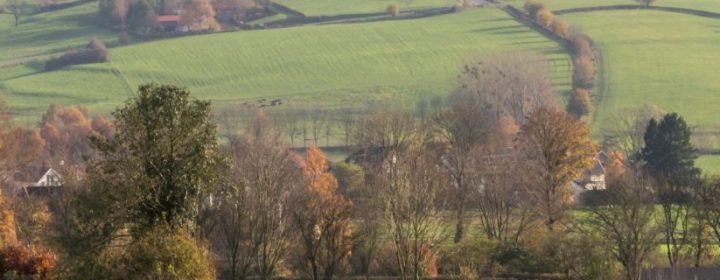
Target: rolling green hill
x,y
656,57
332,66
335,7
705,5
50,32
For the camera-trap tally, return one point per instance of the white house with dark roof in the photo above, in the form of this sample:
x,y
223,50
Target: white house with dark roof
x,y
50,182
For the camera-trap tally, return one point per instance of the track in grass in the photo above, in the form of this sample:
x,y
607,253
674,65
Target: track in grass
x,y
328,66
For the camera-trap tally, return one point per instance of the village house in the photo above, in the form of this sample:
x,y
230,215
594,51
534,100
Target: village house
x,y
49,183
592,179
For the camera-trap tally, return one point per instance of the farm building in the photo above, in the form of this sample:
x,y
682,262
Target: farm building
x,y
168,23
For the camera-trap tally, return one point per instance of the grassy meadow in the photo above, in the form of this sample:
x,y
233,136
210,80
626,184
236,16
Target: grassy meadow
x,y
705,5
336,7
51,32
328,66
659,58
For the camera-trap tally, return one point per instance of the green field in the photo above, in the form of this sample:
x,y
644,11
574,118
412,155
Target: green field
x,y
705,5
336,7
50,32
710,164
656,57
331,66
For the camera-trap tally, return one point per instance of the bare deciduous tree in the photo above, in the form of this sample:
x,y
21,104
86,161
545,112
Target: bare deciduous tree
x,y
628,223
410,186
512,85
462,132
625,131
264,175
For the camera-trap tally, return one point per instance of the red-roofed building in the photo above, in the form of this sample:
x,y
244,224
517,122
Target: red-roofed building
x,y
169,22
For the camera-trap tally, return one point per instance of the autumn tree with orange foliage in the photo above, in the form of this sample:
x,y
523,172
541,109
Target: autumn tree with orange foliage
x,y
66,131
545,18
200,16
323,217
23,261
18,147
557,149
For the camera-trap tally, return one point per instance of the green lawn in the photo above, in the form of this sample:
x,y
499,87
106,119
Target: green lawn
x,y
50,32
705,5
657,57
710,164
335,7
330,66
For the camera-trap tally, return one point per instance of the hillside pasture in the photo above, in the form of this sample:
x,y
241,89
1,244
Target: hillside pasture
x,y
656,57
51,32
704,5
337,7
327,66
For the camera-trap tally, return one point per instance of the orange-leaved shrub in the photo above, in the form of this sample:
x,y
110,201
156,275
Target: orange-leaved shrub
x,y
561,28
583,72
582,45
27,262
545,17
393,10
580,103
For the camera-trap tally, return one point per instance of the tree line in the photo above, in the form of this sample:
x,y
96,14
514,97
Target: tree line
x,y
481,185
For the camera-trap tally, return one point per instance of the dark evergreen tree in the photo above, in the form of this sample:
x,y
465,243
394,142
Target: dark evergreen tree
x,y
668,153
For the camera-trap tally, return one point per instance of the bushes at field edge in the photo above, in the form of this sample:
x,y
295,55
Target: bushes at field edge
x,y
94,52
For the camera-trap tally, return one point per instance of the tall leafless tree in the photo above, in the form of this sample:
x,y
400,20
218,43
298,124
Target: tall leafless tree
x,y
628,221
264,174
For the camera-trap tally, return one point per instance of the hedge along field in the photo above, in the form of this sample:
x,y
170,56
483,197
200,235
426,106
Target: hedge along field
x,y
704,5
50,32
336,7
332,66
656,57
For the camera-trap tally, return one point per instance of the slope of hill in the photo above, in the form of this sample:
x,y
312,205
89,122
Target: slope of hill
x,y
657,57
50,32
332,66
705,5
334,7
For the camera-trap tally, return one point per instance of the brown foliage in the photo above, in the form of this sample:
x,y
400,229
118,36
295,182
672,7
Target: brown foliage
x,y
545,17
26,261
580,103
561,28
18,147
67,132
532,7
557,149
583,72
582,44
393,10
511,85
255,227
200,16
323,219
